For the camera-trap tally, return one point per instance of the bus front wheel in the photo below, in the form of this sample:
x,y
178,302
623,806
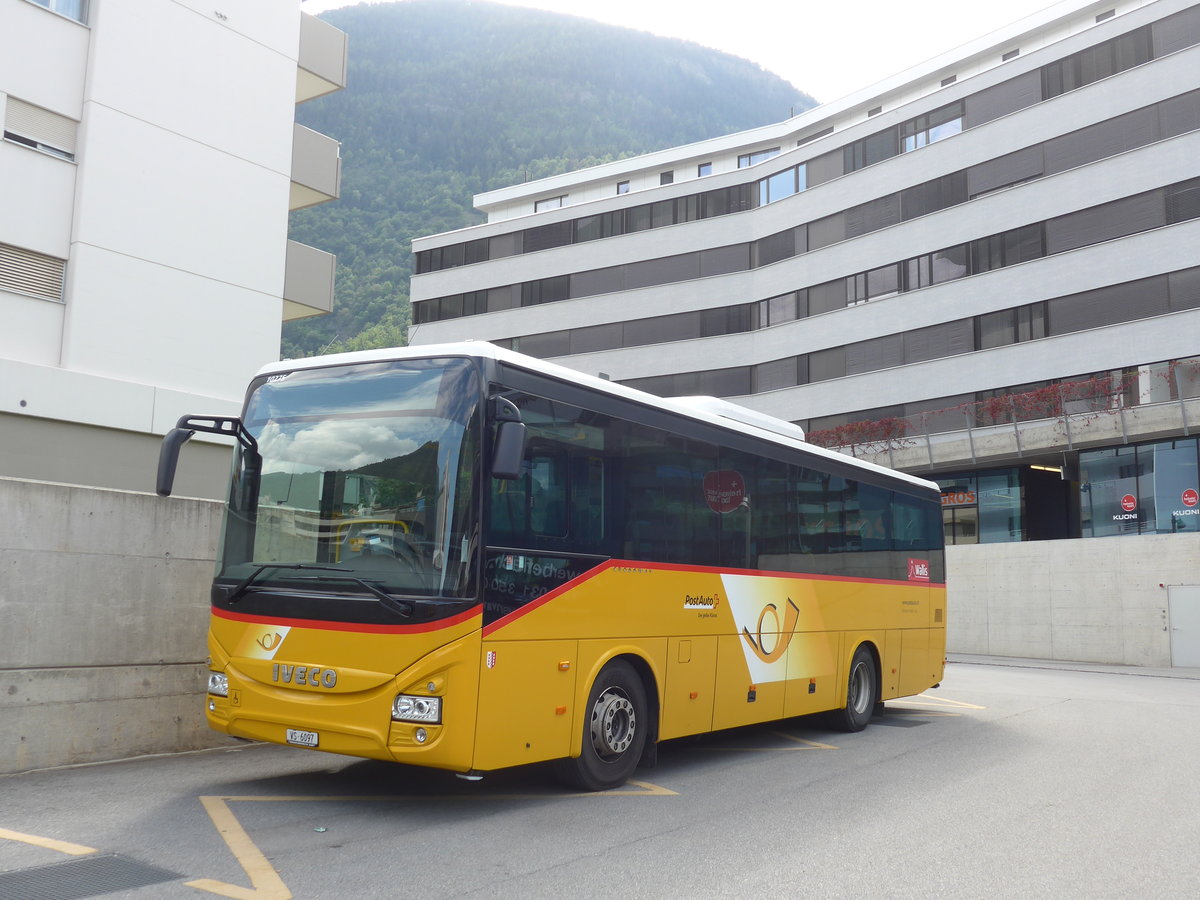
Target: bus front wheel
x,y
861,692
614,731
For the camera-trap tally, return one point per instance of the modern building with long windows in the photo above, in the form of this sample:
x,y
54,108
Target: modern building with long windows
x,y
149,159
984,270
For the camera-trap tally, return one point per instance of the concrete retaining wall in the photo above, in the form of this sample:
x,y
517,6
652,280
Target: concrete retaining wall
x,y
104,608
1093,600
103,615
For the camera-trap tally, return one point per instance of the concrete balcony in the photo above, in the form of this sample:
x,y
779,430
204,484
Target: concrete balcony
x,y
307,282
316,168
321,66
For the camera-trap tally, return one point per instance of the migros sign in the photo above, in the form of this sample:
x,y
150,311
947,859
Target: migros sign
x,y
959,498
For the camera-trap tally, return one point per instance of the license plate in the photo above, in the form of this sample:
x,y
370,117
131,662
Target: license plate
x,y
302,738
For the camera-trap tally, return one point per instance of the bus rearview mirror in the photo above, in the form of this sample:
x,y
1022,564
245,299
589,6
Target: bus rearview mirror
x,y
509,451
168,459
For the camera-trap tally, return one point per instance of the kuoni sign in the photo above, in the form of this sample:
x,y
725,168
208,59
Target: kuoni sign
x,y
724,490
1129,506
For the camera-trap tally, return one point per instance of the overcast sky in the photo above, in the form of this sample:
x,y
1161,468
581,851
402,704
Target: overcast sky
x,y
826,49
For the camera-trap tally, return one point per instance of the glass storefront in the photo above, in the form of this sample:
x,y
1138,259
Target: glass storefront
x,y
1143,489
1149,488
982,507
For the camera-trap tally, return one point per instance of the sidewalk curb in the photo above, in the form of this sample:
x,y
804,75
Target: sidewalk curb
x,y
1066,665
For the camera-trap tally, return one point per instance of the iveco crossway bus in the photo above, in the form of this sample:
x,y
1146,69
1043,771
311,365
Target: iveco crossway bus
x,y
459,557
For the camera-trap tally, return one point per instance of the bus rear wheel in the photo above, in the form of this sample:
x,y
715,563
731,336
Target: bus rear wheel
x,y
614,731
862,693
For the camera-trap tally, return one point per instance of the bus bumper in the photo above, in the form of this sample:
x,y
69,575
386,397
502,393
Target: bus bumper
x,y
359,723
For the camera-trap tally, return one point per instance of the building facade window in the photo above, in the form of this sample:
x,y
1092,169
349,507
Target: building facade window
x,y
752,159
666,178
1097,62
931,127
622,187
870,150
72,9
40,129
703,169
549,203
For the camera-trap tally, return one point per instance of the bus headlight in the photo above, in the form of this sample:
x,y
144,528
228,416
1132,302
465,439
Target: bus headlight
x,y
218,684
407,708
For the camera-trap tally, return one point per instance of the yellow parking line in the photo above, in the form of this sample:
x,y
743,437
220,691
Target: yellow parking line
x,y
811,745
265,881
936,702
47,843
647,790
807,745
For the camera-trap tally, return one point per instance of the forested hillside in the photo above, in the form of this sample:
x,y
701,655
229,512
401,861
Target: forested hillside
x,y
448,98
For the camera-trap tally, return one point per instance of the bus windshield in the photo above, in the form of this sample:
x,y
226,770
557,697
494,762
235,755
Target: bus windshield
x,y
363,482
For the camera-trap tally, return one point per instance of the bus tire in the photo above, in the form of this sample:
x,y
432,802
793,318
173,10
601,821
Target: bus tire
x,y
862,692
615,727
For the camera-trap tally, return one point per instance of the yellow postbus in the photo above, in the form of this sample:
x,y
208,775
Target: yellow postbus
x,y
459,557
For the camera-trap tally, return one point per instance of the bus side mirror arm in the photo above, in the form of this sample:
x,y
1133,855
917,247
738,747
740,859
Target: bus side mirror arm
x,y
168,454
508,453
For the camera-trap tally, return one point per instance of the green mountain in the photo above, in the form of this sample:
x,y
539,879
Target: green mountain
x,y
449,98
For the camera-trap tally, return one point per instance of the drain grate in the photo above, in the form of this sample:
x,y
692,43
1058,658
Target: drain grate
x,y
88,876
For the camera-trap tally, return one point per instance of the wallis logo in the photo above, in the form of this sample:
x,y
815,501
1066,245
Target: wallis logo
x,y
756,641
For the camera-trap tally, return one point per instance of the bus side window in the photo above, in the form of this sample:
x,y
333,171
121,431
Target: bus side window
x,y
875,509
509,510
914,528
548,493
841,522
812,510
587,501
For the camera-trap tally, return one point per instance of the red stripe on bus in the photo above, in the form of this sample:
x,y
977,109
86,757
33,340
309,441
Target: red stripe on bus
x,y
766,573
545,598
326,625
532,605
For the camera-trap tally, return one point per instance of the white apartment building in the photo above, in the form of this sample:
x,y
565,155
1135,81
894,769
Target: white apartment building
x,y
150,157
984,270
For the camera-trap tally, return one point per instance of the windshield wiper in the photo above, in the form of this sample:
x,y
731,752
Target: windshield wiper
x,y
242,586
403,607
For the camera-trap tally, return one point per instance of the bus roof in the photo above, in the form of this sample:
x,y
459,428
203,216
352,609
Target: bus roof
x,y
711,410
